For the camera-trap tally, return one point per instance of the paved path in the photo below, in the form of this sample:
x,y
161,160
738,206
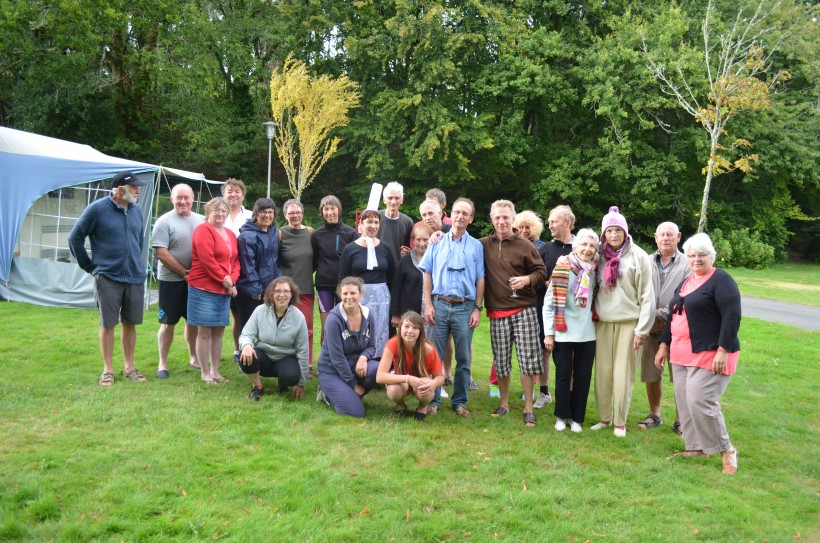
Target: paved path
x,y
800,316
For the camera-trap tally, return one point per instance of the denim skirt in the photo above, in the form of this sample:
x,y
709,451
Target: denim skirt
x,y
207,308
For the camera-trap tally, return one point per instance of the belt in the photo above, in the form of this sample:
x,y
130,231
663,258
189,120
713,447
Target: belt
x,y
450,299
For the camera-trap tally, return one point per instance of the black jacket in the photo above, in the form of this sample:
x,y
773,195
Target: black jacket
x,y
328,242
712,312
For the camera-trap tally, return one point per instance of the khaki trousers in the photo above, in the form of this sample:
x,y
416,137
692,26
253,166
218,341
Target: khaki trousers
x,y
616,367
697,393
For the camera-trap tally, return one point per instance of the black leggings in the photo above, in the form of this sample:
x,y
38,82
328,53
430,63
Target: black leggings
x,y
573,364
286,370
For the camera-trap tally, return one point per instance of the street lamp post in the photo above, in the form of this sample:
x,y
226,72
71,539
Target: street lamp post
x,y
270,126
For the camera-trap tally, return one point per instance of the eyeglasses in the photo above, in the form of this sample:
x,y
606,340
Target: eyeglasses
x,y
267,212
279,292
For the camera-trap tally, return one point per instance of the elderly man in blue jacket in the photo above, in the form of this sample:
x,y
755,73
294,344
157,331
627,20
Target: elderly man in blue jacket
x,y
114,227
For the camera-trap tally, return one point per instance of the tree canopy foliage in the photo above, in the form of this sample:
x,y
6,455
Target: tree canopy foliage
x,y
540,101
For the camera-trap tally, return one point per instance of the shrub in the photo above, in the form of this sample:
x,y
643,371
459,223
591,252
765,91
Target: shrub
x,y
742,249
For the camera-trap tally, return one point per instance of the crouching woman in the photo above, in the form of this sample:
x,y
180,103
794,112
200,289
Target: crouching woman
x,y
410,366
274,341
347,370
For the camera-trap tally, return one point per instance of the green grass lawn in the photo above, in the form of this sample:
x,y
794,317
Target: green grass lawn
x,y
179,460
791,282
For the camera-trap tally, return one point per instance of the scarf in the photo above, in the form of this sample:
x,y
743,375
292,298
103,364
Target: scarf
x,y
560,283
612,262
372,262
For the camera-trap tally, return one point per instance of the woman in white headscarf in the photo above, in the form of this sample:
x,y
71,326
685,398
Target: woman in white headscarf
x,y
371,259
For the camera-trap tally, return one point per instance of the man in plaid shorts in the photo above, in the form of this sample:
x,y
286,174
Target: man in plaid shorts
x,y
513,269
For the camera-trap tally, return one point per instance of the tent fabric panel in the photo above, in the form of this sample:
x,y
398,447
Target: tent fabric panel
x,y
46,282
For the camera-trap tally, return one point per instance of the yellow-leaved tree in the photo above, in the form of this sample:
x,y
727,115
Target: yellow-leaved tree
x,y
737,74
307,108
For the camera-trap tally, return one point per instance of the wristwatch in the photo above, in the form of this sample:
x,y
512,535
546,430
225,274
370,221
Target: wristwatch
x,y
479,307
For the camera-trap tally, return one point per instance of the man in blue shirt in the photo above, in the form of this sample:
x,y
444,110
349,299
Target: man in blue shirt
x,y
453,292
114,226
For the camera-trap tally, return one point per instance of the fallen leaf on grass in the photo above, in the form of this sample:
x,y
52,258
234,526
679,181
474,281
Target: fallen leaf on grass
x,y
318,512
246,510
146,467
475,467
484,430
524,484
365,511
260,500
696,531
407,515
797,535
293,424
353,474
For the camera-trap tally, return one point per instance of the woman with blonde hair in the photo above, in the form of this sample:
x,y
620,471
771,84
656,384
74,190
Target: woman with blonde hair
x,y
410,366
529,226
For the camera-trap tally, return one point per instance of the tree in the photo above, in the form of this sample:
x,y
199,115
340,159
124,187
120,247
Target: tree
x,y
307,109
736,70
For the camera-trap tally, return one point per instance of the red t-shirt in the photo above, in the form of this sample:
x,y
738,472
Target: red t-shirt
x,y
432,361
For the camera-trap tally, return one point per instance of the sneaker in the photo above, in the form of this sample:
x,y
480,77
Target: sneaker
x,y
600,425
542,400
574,427
473,385
495,392
448,382
320,396
560,425
256,394
236,357
620,432
444,394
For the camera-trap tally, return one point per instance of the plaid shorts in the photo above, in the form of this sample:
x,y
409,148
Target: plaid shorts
x,y
521,328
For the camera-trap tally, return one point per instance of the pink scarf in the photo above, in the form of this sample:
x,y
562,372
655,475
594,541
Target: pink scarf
x,y
612,259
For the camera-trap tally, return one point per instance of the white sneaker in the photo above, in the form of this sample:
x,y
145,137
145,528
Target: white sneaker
x,y
574,427
542,400
620,432
320,396
560,425
444,393
600,426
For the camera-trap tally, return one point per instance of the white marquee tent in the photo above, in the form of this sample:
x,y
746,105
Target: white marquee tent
x,y
45,184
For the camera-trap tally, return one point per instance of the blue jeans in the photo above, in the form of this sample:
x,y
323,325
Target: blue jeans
x,y
454,319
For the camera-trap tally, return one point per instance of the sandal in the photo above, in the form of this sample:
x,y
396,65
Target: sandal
x,y
106,379
499,412
729,462
432,410
529,419
221,379
419,416
687,454
676,428
651,421
134,375
401,412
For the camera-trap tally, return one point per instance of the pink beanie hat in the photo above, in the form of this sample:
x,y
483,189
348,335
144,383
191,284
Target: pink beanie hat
x,y
614,218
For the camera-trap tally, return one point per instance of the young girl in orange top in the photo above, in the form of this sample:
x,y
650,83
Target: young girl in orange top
x,y
409,366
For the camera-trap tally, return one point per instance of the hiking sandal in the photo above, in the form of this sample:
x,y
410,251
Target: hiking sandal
x,y
134,375
650,421
106,379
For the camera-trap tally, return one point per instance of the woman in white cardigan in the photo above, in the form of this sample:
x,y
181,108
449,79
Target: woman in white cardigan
x,y
274,341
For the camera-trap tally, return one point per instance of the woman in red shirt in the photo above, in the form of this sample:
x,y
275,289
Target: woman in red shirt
x,y
410,365
211,284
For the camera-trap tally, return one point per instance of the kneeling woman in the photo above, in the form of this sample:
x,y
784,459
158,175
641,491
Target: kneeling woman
x,y
347,370
410,366
274,341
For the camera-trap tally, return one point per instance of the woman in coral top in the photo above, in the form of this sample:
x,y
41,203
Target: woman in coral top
x,y
700,341
211,284
410,366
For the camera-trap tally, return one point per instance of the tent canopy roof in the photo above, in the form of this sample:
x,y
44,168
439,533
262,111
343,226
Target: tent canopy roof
x,y
32,165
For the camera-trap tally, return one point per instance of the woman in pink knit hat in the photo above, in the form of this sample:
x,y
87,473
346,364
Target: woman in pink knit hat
x,y
625,305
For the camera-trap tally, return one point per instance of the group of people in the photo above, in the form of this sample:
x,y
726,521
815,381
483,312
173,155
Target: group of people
x,y
397,297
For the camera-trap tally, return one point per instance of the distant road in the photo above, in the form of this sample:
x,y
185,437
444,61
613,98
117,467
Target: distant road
x,y
798,315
